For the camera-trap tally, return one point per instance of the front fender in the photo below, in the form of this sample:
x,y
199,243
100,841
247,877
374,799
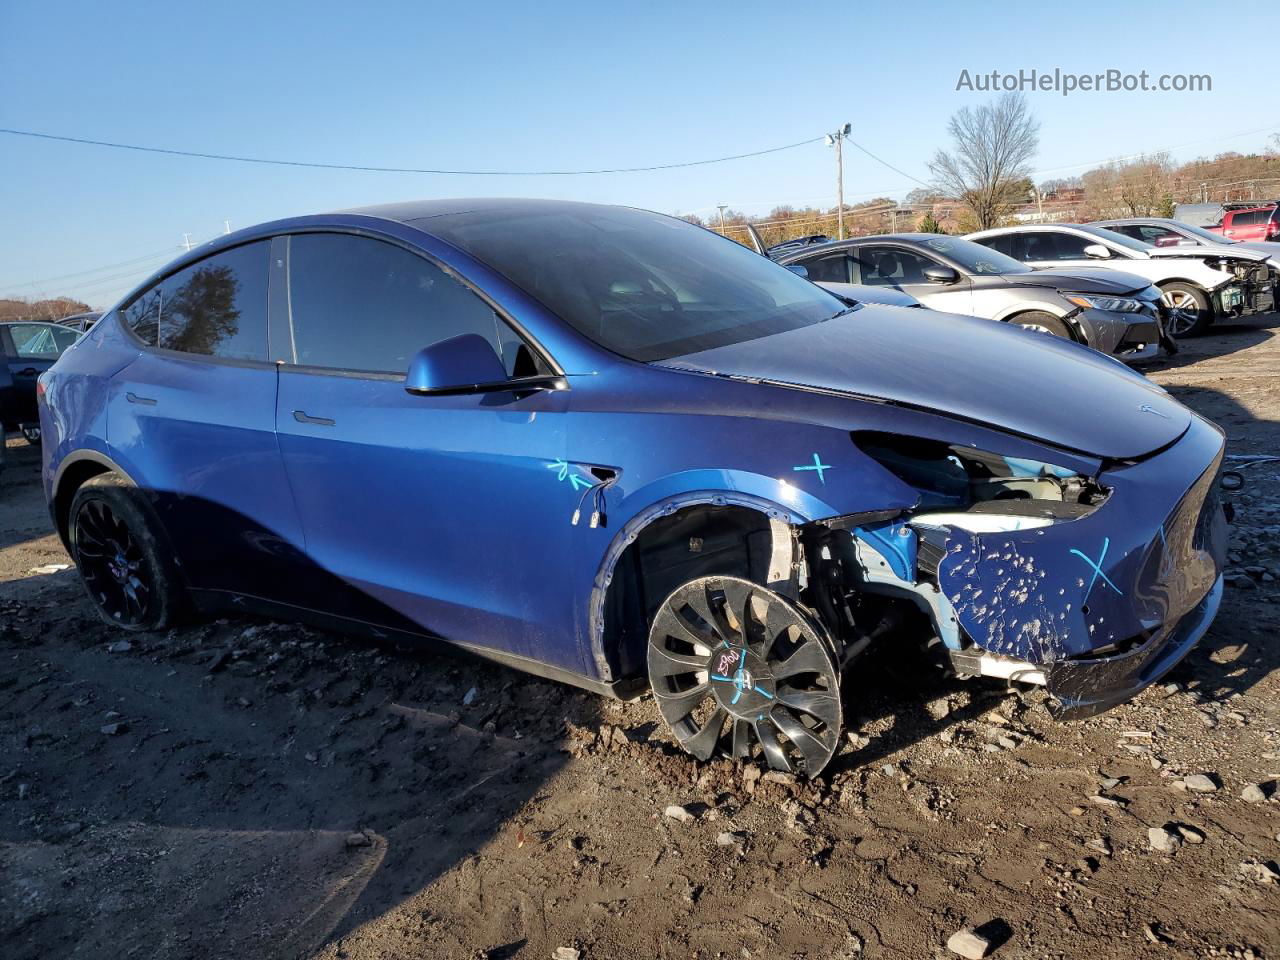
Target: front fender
x,y
1026,306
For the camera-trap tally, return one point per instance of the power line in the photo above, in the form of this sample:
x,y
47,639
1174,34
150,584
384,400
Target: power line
x,y
170,250
345,166
885,163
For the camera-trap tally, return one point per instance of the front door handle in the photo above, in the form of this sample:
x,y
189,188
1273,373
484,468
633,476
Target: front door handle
x,y
302,417
29,372
134,398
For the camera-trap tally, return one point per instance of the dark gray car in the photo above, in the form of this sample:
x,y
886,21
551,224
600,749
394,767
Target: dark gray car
x,y
1116,313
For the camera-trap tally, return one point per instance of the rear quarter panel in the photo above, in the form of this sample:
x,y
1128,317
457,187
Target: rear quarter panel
x,y
73,412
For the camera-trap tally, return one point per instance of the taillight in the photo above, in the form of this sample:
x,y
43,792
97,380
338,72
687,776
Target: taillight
x,y
40,388
1273,229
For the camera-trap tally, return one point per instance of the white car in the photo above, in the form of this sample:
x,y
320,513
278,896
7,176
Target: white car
x,y
1163,232
1197,284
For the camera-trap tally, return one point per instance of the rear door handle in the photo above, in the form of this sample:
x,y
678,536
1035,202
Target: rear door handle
x,y
134,398
29,372
302,417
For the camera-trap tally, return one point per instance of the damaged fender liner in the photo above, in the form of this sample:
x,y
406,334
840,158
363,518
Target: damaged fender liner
x,y
1082,688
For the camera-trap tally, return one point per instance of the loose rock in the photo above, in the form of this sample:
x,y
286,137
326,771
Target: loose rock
x,y
1200,783
1253,793
969,943
677,812
1162,840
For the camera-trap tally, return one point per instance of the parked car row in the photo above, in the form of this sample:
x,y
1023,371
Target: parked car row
x,y
1198,284
619,450
1113,312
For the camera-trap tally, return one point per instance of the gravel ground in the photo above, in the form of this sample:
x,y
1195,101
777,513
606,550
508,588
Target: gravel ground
x,y
250,789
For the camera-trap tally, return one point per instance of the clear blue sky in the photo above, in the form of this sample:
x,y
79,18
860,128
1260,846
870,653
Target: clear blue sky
x,y
550,85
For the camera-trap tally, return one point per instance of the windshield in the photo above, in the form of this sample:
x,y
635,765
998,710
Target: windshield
x,y
974,257
1205,235
1112,237
641,284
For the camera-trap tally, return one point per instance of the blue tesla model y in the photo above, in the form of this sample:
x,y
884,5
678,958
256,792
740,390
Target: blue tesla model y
x,y
615,449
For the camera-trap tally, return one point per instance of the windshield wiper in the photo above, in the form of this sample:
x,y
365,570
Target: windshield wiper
x,y
848,309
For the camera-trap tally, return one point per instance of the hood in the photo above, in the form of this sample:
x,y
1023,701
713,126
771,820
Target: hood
x,y
1027,383
1204,251
887,296
1269,248
1081,280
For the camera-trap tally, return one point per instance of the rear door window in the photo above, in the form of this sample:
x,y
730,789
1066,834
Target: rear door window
x,y
891,266
1250,218
40,341
366,305
1010,244
1052,245
216,307
833,268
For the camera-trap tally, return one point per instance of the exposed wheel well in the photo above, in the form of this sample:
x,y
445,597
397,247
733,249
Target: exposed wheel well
x,y
1200,287
71,480
1072,327
695,541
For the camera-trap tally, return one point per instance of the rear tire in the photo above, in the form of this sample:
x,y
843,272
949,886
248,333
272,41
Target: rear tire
x,y
1189,312
1042,322
123,558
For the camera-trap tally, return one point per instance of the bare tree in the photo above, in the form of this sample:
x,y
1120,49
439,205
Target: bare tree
x,y
988,167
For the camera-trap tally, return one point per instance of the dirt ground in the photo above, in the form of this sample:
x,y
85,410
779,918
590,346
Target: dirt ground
x,y
248,789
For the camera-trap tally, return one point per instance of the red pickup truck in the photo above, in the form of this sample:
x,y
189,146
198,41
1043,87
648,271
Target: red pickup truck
x,y
1251,224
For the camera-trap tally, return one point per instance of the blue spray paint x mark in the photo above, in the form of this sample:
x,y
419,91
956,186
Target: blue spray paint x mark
x,y
1097,568
577,481
817,466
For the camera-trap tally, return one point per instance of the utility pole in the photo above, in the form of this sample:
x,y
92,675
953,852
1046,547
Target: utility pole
x,y
226,226
186,241
721,207
836,139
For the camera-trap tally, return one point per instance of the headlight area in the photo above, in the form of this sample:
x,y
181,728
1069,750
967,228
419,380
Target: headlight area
x,y
980,491
1111,304
871,573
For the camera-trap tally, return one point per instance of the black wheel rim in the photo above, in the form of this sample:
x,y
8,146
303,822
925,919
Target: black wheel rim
x,y
112,564
737,667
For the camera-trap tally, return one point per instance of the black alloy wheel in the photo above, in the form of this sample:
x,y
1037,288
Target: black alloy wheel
x,y
124,562
112,564
737,667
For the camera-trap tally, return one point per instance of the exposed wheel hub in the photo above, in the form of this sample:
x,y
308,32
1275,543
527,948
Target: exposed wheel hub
x,y
742,682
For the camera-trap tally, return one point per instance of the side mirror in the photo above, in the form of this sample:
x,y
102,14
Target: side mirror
x,y
468,364
798,270
1097,251
937,273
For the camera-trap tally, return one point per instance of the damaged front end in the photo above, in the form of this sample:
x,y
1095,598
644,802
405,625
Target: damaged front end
x,y
1091,582
1253,290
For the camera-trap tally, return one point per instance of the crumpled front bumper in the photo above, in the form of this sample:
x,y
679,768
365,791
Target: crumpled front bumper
x,y
1126,336
1085,687
1105,604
